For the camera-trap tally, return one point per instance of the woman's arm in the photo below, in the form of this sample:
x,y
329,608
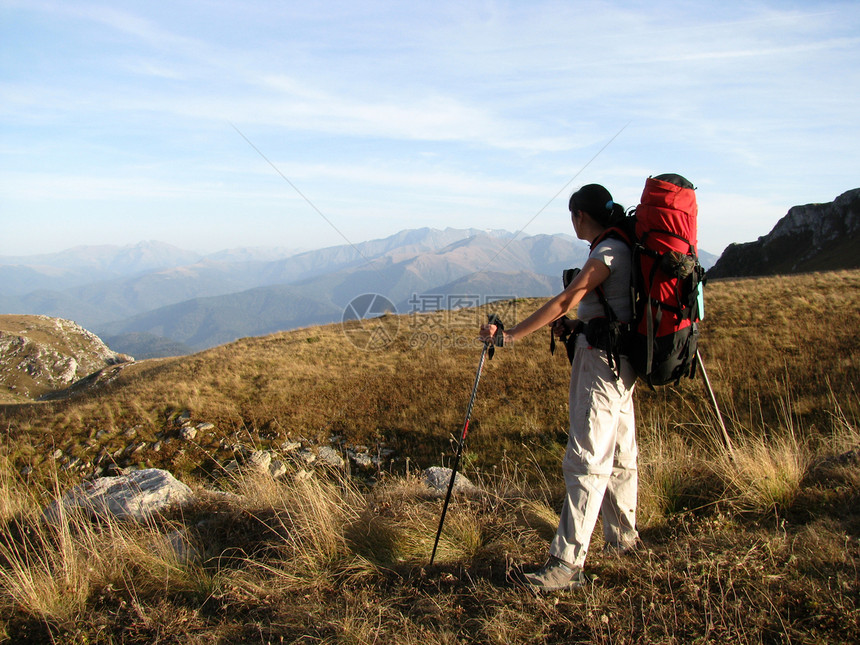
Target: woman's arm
x,y
593,274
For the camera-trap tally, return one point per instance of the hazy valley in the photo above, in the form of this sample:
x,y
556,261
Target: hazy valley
x,y
156,300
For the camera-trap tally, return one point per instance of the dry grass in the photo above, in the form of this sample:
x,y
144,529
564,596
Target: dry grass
x,y
53,572
757,546
263,391
314,558
765,473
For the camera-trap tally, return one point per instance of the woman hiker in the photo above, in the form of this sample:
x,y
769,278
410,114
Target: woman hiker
x,y
600,460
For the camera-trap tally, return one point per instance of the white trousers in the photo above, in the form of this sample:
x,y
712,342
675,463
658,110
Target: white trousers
x,y
600,461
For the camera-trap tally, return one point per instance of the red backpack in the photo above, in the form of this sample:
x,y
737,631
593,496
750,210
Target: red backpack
x,y
666,280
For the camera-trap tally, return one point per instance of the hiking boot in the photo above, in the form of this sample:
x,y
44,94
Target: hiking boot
x,y
555,575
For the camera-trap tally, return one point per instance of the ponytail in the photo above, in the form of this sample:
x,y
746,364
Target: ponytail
x,y
617,214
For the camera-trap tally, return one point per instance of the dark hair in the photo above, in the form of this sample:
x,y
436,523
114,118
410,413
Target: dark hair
x,y
595,200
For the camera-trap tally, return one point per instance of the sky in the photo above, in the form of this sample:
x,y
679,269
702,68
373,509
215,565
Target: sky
x,y
218,124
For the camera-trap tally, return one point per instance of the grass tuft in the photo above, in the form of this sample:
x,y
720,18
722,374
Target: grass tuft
x,y
766,472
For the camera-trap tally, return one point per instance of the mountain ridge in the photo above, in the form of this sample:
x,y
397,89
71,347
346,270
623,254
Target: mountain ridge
x,y
811,237
191,299
324,297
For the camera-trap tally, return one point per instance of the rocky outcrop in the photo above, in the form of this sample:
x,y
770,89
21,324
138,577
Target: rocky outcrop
x,y
115,450
814,237
40,354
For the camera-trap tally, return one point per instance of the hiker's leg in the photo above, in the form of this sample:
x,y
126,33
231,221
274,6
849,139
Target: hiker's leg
x,y
588,459
619,502
578,517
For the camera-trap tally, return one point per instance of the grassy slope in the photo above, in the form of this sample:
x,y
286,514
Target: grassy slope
x,y
757,550
765,342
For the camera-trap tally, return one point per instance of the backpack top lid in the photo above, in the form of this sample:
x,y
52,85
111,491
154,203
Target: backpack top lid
x,y
670,191
678,180
667,213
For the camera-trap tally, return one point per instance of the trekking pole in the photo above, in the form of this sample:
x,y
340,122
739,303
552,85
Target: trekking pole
x,y
710,390
489,347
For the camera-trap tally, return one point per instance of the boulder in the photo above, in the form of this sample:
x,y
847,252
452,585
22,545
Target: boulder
x,y
277,468
134,496
436,479
307,456
362,459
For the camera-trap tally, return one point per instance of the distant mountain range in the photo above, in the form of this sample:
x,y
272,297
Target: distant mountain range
x,y
813,237
152,299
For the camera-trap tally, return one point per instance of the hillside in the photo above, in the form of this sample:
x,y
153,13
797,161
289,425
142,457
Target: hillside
x,y
814,237
142,345
760,545
205,322
317,381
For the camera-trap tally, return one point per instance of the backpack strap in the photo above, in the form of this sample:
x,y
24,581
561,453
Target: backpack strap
x,y
615,232
613,334
651,325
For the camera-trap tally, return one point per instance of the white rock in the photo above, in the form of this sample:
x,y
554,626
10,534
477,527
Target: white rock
x,y
259,460
438,477
136,496
331,456
302,475
362,460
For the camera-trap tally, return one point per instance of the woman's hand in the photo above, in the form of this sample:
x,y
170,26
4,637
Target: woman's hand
x,y
488,332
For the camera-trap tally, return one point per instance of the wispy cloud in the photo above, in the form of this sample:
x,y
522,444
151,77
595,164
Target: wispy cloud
x,y
447,111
